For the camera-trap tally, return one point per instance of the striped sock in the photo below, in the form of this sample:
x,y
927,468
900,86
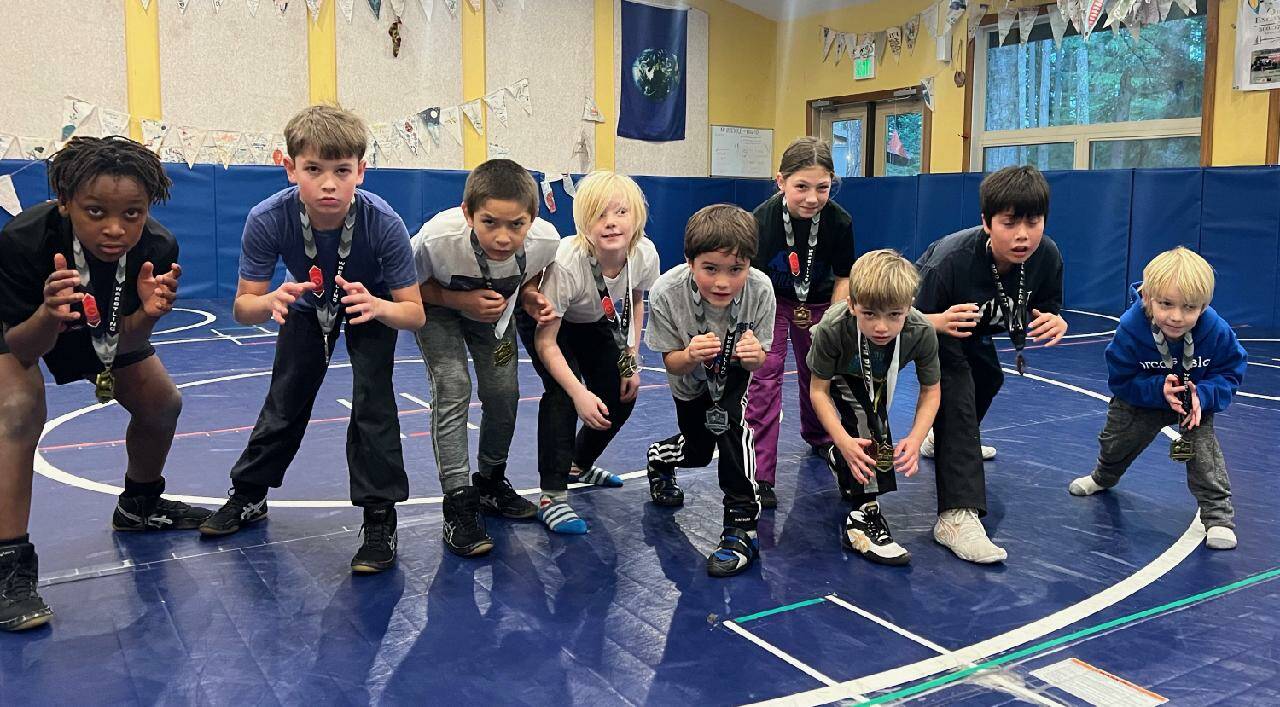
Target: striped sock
x,y
595,476
556,514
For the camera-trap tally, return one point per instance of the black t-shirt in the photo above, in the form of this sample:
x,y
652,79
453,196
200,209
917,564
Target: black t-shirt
x,y
832,258
956,269
27,246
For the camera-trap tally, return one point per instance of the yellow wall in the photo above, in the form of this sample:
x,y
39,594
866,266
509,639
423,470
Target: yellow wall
x,y
1240,117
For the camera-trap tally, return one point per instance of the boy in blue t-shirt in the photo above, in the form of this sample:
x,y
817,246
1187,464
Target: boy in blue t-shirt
x,y
1172,360
348,257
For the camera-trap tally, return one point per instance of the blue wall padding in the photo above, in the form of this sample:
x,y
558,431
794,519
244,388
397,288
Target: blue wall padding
x,y
30,181
1166,214
1107,223
1240,237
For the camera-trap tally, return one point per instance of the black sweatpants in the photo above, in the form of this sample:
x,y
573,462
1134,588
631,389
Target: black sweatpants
x,y
592,355
692,447
849,394
375,459
971,377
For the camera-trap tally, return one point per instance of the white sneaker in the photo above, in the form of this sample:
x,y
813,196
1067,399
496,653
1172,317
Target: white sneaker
x,y
1084,486
960,531
1220,537
867,533
926,449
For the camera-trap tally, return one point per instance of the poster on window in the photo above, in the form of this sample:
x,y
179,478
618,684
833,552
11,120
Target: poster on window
x,y
1258,45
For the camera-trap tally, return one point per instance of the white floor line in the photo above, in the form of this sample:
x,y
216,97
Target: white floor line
x,y
891,626
347,404
1258,395
209,318
1092,314
415,399
1264,365
786,657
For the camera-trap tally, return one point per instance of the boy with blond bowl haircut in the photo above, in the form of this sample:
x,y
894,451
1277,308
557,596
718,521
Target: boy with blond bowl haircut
x,y
702,319
1172,360
857,352
475,263
348,257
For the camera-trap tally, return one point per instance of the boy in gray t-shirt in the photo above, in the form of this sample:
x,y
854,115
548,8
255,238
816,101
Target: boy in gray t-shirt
x,y
701,320
856,354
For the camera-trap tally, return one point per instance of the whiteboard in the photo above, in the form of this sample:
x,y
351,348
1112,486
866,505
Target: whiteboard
x,y
741,152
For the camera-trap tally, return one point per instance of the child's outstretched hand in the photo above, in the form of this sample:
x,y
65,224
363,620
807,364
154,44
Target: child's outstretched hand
x,y
592,410
906,457
703,347
285,295
957,320
1192,420
483,305
1172,393
860,463
60,293
360,302
158,292
630,388
537,306
1046,326
748,350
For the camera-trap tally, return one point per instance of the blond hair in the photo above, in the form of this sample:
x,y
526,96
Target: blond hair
x,y
883,279
592,198
332,133
1182,270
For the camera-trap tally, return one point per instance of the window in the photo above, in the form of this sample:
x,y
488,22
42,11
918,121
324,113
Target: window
x,y
1111,102
847,147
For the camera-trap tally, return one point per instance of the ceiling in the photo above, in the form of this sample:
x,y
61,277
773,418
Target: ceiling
x,y
790,9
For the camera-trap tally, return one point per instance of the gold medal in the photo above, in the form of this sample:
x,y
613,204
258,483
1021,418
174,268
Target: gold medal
x,y
802,316
505,353
717,420
884,456
1181,450
627,364
105,386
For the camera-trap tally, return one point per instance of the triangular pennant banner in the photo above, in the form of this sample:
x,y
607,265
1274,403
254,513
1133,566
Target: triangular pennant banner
x,y
910,31
253,7
5,142
1058,25
397,7
182,6
592,112
893,36
428,7
1004,23
865,47
569,187
35,148
882,43
192,139
385,135
1188,6
926,91
498,151
279,150
1164,7
314,7
1026,20
976,11
497,102
217,5
74,113
146,5
520,92
153,133
452,7
956,10
347,7
376,7
839,44
408,133
475,5
471,109
450,119
430,119
929,20
498,5
582,150
225,143
9,196
282,6
1092,12
828,38
548,196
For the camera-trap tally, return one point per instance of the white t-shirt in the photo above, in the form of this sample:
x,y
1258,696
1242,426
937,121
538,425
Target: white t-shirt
x,y
571,288
442,251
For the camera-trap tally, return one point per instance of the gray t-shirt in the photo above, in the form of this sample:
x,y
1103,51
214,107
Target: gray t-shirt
x,y
672,323
834,350
571,288
442,252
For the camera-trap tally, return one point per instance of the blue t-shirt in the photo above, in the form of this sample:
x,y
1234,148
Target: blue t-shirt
x,y
380,259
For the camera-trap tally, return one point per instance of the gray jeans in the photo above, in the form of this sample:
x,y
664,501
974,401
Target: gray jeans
x,y
445,341
1130,429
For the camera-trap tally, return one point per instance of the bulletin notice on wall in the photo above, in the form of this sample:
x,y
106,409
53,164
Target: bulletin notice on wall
x,y
1258,45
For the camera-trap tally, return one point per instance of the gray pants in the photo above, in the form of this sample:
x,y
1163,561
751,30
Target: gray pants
x,y
445,341
1130,429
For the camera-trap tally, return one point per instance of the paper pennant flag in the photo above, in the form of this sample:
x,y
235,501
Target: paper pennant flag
x,y
910,31
314,7
172,153
866,46
929,20
569,187
217,5
1058,25
5,142
582,150
385,134
346,7
839,44
976,11
282,6
9,196
146,5
520,93
452,7
1188,6
451,120
397,7
893,35
828,38
471,109
35,148
475,5
499,152
1118,12
592,112
253,7
112,122
497,102
548,196
192,139
182,6
1026,20
498,4
1092,12
74,113
279,150
926,91
882,43
1004,23
1164,7
408,133
224,144
428,7
153,133
955,10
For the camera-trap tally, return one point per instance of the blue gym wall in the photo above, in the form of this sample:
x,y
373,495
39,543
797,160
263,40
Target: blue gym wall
x,y
1107,223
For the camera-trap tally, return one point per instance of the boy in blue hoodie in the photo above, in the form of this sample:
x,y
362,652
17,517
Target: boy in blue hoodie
x,y
1172,360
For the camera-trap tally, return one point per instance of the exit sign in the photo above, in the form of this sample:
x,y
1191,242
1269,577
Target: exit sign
x,y
864,68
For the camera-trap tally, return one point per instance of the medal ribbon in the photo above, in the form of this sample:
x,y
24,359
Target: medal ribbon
x,y
482,262
620,323
1188,360
800,284
1017,319
106,343
717,369
327,308
878,416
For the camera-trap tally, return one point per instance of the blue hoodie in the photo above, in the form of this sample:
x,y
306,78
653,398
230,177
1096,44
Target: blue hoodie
x,y
1136,371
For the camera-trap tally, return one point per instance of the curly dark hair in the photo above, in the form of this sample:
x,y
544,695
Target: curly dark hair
x,y
83,159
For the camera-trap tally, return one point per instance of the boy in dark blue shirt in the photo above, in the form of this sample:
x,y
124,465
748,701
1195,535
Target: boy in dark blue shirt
x,y
1173,360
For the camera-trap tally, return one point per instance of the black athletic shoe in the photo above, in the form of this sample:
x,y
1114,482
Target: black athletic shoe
x,y
499,499
736,552
20,606
378,552
867,533
237,511
156,513
464,532
768,499
663,488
